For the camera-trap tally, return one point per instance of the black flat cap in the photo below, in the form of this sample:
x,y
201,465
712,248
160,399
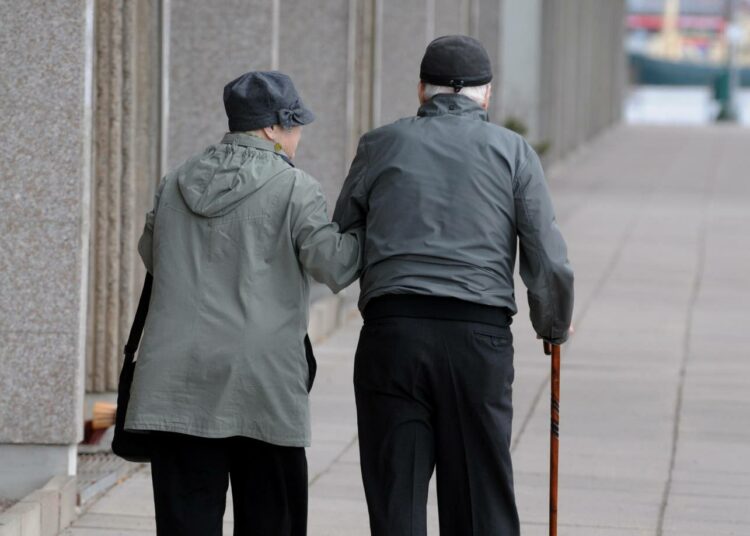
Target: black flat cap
x,y
264,98
457,61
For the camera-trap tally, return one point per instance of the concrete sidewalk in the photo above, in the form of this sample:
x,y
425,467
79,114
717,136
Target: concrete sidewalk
x,y
655,387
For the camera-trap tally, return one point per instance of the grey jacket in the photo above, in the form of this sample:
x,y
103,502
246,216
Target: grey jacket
x,y
445,197
233,238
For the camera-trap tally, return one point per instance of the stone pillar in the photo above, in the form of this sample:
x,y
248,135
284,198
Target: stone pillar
x,y
403,30
549,96
209,44
45,98
618,60
366,65
317,49
126,167
568,76
212,43
453,17
582,71
486,18
518,85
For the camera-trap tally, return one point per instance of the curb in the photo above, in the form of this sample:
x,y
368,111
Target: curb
x,y
99,470
44,512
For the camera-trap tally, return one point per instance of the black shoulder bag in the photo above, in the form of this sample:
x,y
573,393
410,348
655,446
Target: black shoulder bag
x,y
132,446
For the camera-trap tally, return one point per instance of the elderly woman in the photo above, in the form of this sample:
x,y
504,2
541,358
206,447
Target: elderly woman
x,y
223,374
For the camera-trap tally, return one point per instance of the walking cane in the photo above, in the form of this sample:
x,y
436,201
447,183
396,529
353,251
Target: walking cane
x,y
554,438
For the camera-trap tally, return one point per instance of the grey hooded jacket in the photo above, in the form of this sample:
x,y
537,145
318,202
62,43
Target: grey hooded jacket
x,y
233,238
446,196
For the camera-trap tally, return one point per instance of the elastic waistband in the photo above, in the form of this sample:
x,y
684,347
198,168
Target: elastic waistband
x,y
436,308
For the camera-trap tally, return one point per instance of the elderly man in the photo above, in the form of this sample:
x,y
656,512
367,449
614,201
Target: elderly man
x,y
446,197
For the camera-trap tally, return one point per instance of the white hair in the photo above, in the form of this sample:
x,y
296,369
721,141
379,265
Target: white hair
x,y
475,93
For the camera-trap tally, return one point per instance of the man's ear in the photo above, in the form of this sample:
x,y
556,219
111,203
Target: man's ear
x,y
420,92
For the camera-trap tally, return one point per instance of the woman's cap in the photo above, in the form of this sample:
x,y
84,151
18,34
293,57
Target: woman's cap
x,y
457,61
264,98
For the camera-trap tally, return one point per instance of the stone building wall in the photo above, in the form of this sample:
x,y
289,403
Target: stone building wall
x,y
102,98
161,67
518,88
582,75
355,63
45,102
562,69
126,165
159,74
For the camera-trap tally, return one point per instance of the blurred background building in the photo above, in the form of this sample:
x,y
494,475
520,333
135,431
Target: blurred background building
x,y
689,60
101,98
685,30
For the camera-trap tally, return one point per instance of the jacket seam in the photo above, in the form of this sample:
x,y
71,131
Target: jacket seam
x,y
365,186
520,169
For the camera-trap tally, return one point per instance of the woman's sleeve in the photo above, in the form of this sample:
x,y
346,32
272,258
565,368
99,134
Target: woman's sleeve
x,y
145,244
330,257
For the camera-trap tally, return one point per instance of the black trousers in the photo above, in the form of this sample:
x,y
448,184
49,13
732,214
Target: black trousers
x,y
191,476
436,393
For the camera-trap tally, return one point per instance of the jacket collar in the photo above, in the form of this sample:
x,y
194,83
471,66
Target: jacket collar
x,y
247,140
446,103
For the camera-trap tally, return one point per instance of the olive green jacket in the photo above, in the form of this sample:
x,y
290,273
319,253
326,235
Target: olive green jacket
x,y
233,239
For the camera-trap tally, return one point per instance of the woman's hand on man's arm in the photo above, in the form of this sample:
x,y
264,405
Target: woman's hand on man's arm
x,y
329,256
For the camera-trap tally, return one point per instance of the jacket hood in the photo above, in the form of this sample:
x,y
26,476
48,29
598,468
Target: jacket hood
x,y
214,183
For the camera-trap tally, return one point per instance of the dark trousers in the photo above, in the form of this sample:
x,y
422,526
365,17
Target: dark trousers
x,y
436,393
191,476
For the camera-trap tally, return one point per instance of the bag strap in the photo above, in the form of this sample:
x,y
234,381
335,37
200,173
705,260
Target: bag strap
x,y
136,329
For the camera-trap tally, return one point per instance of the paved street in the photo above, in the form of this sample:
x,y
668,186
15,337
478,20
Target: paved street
x,y
655,435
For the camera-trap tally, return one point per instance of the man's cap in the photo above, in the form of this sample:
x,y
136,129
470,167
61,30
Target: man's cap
x,y
264,98
457,61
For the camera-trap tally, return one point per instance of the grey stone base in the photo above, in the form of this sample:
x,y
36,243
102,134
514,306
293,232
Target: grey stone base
x,y
24,468
44,512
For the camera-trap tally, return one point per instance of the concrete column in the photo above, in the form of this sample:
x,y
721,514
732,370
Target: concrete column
x,y
550,102
486,17
365,63
518,85
126,167
619,61
581,71
46,50
452,17
316,50
209,44
404,30
569,77
601,83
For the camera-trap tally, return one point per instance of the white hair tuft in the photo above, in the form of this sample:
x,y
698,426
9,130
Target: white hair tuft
x,y
476,93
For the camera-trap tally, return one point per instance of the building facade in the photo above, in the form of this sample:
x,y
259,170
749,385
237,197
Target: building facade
x,y
102,98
